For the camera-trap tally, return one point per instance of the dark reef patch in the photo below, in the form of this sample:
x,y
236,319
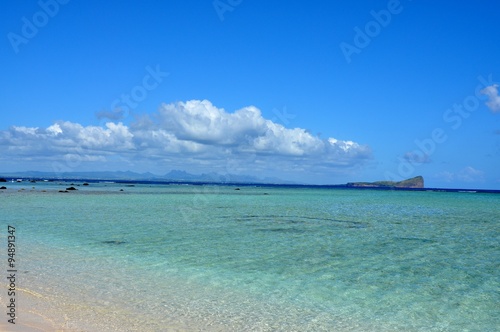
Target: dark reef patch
x,y
115,242
282,230
285,219
416,239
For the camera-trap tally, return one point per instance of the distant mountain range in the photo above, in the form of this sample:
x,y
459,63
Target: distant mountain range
x,y
174,176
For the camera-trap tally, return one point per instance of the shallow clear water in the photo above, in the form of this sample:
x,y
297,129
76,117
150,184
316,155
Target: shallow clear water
x,y
212,258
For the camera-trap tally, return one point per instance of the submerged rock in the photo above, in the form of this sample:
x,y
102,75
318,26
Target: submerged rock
x,y
3,188
71,188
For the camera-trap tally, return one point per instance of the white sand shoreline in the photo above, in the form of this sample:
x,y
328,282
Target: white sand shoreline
x,y
38,313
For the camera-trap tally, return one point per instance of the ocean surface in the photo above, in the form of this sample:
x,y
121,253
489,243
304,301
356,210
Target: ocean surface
x,y
215,258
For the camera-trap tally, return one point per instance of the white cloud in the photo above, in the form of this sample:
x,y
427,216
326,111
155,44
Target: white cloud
x,y
470,174
244,130
67,137
200,121
467,174
194,133
55,129
493,98
445,176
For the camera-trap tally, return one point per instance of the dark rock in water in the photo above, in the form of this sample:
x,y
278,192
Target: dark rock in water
x,y
3,180
71,188
85,184
2,188
63,191
237,189
121,189
113,242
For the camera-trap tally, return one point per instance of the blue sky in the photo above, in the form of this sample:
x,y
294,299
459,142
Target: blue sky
x,y
324,92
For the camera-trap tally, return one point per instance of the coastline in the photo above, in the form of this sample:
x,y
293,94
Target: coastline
x,y
413,184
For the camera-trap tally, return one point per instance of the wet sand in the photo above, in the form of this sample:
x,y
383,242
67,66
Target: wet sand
x,y
37,313
29,317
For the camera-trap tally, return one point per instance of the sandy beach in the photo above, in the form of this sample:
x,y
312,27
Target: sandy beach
x,y
31,323
37,315
28,318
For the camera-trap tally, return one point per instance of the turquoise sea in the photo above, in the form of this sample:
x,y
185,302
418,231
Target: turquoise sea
x,y
213,258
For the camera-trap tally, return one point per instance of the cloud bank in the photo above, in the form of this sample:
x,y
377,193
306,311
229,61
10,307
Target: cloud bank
x,y
195,134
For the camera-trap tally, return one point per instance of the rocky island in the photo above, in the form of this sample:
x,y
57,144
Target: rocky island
x,y
416,182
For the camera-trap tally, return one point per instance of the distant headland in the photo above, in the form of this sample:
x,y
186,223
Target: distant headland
x,y
416,182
